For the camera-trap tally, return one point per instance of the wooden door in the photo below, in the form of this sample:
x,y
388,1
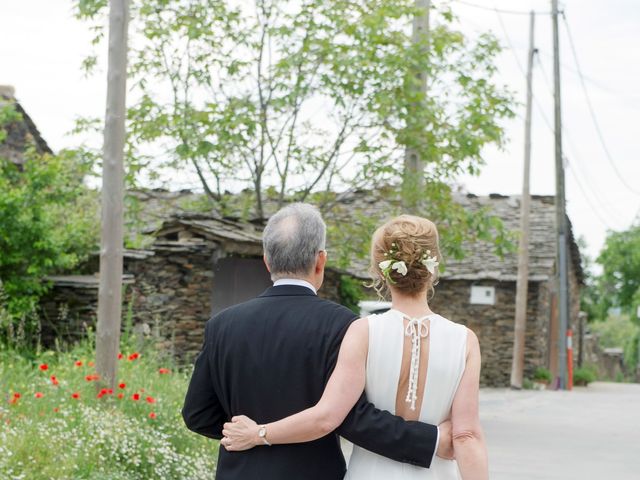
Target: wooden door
x,y
236,280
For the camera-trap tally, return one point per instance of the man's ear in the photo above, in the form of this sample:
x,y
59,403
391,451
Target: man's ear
x,y
264,259
321,261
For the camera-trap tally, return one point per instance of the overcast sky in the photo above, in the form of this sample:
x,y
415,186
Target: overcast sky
x,y
42,47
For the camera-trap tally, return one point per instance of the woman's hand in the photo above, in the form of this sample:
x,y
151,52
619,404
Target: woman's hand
x,y
240,434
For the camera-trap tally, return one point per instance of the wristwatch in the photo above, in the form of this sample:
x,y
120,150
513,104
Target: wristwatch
x,y
262,433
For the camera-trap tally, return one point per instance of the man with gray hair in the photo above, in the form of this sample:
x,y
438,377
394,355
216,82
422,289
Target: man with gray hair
x,y
272,356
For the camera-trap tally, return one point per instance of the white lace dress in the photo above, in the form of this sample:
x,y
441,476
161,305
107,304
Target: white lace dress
x,y
446,363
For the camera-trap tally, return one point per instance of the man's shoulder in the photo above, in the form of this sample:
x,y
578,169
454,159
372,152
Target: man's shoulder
x,y
326,310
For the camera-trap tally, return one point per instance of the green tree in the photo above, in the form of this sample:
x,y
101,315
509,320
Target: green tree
x,y
619,283
296,100
47,220
306,96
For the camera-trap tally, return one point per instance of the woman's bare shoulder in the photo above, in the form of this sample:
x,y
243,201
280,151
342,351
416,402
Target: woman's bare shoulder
x,y
359,327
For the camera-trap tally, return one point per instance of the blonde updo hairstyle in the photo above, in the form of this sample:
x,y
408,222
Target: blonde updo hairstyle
x,y
412,237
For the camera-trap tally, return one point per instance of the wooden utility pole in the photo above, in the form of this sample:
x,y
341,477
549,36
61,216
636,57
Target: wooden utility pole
x,y
110,290
561,217
413,180
522,285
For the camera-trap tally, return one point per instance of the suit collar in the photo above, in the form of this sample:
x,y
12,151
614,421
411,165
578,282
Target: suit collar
x,y
287,291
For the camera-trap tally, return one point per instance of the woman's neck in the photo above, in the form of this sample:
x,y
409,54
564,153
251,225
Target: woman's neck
x,y
412,306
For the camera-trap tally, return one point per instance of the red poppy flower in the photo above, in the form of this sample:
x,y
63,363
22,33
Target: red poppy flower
x,y
152,415
164,370
90,378
16,395
44,367
103,391
121,396
78,363
54,380
122,385
38,395
134,356
100,395
56,409
120,356
75,395
110,391
90,363
151,400
135,396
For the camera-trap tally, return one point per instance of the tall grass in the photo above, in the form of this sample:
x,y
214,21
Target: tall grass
x,y
56,424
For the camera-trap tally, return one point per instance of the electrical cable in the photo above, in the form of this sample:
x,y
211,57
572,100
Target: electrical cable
x,y
500,10
594,118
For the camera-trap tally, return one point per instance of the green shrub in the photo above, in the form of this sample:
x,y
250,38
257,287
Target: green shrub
x,y
619,331
542,374
584,375
351,293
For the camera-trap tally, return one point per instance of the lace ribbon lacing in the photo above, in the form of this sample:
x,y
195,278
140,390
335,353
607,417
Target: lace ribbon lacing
x,y
416,329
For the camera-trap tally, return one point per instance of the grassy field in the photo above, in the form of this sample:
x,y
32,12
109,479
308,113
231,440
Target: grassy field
x,y
56,424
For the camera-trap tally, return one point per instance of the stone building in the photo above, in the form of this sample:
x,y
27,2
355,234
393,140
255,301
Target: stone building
x,y
20,133
196,266
199,264
480,291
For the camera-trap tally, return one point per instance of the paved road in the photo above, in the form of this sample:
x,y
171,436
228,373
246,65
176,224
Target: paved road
x,y
590,433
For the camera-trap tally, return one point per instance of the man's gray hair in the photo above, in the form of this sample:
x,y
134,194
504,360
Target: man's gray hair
x,y
292,239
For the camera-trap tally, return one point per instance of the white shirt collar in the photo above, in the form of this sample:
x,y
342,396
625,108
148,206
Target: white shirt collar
x,y
294,281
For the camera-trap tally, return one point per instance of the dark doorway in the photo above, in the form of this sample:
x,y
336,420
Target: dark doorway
x,y
237,279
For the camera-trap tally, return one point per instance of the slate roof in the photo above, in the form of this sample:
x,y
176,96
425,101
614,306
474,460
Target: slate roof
x,y
481,263
20,134
185,231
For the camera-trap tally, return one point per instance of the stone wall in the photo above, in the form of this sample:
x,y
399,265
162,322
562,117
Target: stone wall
x,y
172,295
66,312
169,296
493,324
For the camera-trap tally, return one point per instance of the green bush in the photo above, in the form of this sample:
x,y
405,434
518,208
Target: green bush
x,y
619,331
584,375
351,293
542,374
48,222
45,433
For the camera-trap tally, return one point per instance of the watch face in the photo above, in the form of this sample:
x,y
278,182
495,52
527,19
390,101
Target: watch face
x,y
262,432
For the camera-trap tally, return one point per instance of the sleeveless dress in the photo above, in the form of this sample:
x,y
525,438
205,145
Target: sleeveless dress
x,y
446,362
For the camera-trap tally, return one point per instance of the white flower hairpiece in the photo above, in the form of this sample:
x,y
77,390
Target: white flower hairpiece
x,y
391,263
430,262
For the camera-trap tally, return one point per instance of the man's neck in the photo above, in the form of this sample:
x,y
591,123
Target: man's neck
x,y
302,282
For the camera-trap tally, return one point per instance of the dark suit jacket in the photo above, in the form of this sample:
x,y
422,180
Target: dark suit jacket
x,y
271,357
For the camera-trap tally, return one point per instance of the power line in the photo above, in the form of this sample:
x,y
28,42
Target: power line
x,y
604,206
521,68
544,117
596,124
500,10
586,196
545,76
603,200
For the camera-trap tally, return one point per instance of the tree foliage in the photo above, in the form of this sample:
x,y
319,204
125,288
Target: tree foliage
x,y
306,98
47,221
619,283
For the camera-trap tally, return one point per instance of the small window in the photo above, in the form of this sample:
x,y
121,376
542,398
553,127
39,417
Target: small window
x,y
483,295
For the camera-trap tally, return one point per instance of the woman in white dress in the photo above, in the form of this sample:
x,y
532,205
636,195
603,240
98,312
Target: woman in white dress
x,y
410,360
